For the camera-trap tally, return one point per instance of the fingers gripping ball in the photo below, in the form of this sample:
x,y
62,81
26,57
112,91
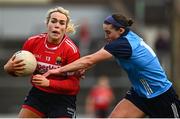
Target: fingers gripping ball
x,y
29,60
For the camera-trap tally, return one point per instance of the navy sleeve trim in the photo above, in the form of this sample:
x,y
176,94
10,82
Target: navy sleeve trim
x,y
119,48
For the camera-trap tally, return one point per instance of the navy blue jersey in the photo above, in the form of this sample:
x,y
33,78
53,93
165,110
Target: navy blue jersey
x,y
141,64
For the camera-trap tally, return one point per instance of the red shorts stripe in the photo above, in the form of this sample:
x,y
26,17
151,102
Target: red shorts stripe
x,y
33,110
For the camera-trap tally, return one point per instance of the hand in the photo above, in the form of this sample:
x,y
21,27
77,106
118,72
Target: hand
x,y
53,72
40,80
56,72
80,74
14,66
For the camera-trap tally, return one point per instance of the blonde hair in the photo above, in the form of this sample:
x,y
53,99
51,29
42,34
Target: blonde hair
x,y
70,25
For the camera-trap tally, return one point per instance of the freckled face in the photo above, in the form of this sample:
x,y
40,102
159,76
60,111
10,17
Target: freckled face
x,y
56,27
110,33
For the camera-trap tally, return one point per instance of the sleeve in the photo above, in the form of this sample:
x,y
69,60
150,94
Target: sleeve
x,y
119,48
28,45
73,55
68,85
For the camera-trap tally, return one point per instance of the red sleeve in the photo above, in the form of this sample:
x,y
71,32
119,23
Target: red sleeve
x,y
28,45
67,85
73,57
72,53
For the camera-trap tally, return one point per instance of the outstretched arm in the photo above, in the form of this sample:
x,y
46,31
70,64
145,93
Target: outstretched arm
x,y
83,63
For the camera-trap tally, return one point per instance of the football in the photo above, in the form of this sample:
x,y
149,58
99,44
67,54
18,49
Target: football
x,y
29,60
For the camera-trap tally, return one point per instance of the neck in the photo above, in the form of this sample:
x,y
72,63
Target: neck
x,y
55,41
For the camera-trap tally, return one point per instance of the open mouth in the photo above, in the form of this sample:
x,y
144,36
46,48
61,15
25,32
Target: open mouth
x,y
55,32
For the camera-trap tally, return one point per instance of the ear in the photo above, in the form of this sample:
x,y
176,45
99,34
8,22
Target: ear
x,y
121,30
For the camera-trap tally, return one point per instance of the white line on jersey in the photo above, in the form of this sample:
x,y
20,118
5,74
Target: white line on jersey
x,y
71,45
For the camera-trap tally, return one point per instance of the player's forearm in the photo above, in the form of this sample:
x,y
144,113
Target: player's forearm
x,y
82,63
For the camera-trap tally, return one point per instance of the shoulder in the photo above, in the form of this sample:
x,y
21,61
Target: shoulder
x,y
121,42
70,45
133,39
37,38
120,48
33,41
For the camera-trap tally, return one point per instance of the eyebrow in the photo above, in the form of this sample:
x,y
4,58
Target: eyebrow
x,y
58,20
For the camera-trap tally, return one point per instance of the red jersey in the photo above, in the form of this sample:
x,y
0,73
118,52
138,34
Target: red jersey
x,y
102,97
50,56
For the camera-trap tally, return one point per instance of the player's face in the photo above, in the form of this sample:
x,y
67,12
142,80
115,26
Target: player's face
x,y
110,33
57,26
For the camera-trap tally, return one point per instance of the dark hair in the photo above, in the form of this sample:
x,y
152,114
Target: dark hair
x,y
124,21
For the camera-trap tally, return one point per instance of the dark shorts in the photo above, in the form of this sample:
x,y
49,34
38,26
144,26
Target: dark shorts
x,y
50,105
166,105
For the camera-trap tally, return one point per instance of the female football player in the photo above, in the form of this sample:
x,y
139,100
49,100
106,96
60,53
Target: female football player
x,y
55,96
151,93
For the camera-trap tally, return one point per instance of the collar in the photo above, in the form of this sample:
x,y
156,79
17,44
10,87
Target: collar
x,y
125,32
